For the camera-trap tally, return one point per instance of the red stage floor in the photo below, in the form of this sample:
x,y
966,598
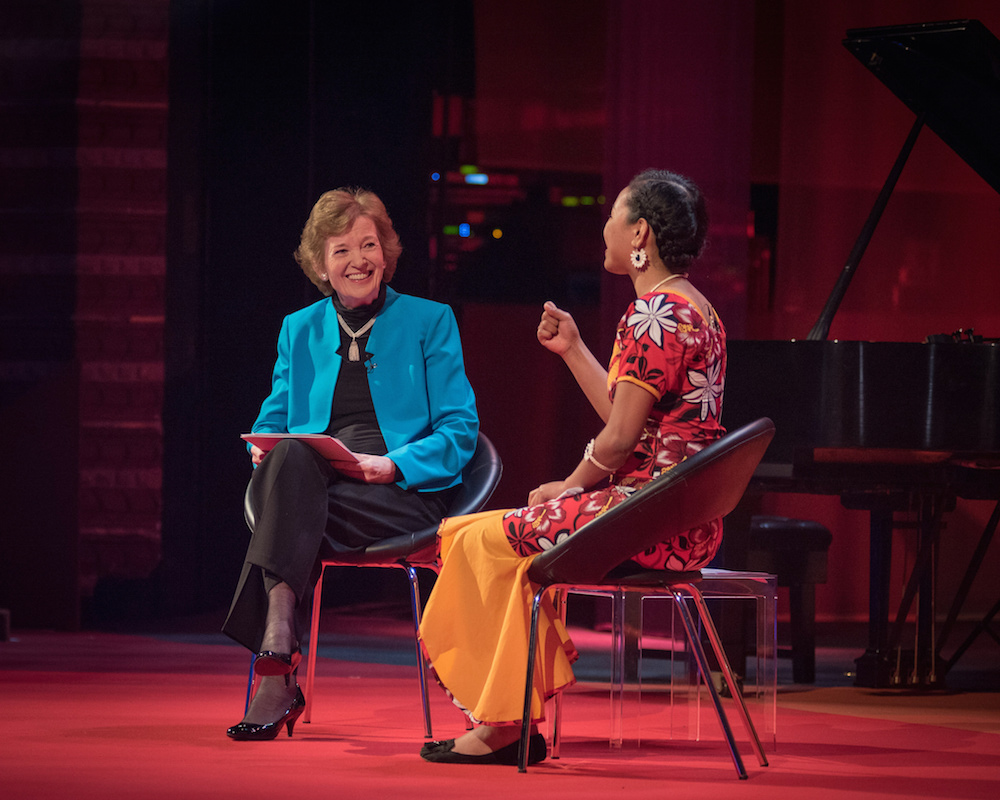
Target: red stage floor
x,y
102,715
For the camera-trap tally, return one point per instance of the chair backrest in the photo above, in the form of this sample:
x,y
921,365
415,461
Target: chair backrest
x,y
479,479
706,486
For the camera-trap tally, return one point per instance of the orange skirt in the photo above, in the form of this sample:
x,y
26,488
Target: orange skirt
x,y
476,624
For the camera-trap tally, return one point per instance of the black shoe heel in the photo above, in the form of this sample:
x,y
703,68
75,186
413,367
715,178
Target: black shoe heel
x,y
262,732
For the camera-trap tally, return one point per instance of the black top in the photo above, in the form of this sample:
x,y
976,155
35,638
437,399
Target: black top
x,y
352,418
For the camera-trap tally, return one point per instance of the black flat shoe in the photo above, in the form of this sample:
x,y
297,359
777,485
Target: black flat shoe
x,y
250,731
443,753
269,663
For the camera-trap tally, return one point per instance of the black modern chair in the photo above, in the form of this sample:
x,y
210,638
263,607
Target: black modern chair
x,y
408,552
704,487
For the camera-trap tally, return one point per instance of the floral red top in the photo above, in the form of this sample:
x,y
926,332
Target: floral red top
x,y
664,345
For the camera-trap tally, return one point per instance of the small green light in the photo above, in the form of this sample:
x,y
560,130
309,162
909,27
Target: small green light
x,y
468,169
571,202
451,230
587,201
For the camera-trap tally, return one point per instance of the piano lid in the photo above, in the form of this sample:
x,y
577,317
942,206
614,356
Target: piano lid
x,y
949,71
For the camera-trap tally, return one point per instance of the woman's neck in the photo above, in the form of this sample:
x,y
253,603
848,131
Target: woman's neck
x,y
651,280
360,314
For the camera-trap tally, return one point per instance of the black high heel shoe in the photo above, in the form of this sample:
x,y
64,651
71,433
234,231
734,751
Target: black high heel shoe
x,y
249,731
269,663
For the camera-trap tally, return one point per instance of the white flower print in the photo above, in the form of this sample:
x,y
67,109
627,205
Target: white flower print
x,y
540,518
670,451
653,317
548,544
708,389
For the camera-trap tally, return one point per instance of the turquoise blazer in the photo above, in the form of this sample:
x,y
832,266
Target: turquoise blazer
x,y
423,400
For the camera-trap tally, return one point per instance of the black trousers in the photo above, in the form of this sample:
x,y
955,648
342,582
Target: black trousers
x,y
306,511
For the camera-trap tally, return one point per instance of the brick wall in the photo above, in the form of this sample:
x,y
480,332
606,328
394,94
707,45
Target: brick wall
x,y
83,121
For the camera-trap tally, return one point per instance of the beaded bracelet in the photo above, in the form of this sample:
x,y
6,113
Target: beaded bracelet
x,y
588,455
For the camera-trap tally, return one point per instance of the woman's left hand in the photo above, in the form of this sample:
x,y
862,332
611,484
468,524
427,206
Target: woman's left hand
x,y
371,469
546,492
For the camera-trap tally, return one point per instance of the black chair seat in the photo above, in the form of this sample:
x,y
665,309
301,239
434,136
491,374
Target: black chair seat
x,y
409,547
632,574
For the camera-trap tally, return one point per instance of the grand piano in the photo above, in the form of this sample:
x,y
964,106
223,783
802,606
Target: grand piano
x,y
897,429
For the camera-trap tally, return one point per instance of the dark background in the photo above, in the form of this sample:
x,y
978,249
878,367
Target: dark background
x,y
279,103
158,160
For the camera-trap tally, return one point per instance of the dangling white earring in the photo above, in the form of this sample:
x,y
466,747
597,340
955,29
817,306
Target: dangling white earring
x,y
639,259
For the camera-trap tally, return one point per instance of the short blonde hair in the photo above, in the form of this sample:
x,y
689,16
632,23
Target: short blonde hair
x,y
335,213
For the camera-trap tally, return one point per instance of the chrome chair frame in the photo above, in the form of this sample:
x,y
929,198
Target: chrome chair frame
x,y
704,487
627,651
408,552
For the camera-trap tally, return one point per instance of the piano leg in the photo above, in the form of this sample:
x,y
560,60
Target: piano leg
x,y
883,664
873,666
924,668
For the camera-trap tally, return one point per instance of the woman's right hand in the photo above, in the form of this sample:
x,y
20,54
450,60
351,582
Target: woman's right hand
x,y
557,331
256,455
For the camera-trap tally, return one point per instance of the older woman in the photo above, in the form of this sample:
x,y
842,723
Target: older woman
x,y
381,371
661,401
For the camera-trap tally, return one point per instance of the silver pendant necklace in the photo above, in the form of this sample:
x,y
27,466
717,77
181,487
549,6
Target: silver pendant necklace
x,y
353,353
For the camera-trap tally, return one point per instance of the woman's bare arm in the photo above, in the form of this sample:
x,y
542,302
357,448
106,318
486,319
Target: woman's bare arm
x,y
612,446
558,332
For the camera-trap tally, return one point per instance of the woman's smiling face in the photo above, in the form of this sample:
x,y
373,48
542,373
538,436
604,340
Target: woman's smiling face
x,y
354,263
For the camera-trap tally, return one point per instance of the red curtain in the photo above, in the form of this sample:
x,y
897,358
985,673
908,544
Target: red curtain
x,y
679,88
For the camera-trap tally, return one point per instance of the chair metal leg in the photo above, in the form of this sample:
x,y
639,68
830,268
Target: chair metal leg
x,y
560,600
411,573
706,673
618,637
529,680
313,644
727,672
246,708
556,729
317,607
622,647
679,593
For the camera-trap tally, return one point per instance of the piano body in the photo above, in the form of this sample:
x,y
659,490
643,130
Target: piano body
x,y
894,427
